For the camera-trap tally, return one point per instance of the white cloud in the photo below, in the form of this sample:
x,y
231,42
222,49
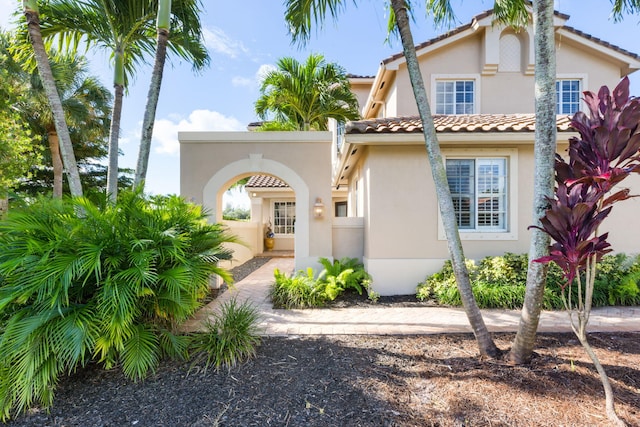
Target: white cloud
x,y
165,131
257,78
6,8
216,40
242,81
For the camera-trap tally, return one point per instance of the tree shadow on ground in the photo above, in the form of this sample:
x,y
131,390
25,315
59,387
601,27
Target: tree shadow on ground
x,y
360,381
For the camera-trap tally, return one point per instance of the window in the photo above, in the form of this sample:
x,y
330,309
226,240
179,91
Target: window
x,y
455,97
567,96
479,193
284,217
341,209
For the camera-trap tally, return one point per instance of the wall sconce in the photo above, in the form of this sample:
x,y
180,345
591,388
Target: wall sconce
x,y
318,208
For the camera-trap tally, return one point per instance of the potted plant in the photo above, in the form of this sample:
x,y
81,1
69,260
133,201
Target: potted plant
x,y
269,238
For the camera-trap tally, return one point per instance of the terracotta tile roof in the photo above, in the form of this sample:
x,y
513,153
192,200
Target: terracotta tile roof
x,y
356,76
480,123
265,181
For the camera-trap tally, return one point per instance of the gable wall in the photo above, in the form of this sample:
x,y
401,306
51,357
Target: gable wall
x,y
502,92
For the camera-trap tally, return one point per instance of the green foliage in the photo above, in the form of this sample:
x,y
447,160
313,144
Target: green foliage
x,y
303,96
296,291
499,282
305,290
231,338
234,213
343,274
17,149
110,285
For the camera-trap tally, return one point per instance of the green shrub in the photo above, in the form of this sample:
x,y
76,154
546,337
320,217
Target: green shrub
x,y
341,275
231,338
305,290
110,285
296,291
499,282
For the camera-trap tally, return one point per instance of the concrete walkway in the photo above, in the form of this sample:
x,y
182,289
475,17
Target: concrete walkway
x,y
392,321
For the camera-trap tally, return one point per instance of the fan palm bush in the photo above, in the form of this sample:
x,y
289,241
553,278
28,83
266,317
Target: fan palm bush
x,y
110,285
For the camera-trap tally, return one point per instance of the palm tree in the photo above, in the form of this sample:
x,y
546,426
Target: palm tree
x,y
299,18
125,28
32,16
544,158
86,103
186,17
304,96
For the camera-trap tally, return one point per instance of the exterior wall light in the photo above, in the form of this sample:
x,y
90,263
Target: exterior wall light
x,y
318,208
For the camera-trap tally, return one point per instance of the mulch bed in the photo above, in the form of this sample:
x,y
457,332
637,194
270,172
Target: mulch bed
x,y
430,380
433,380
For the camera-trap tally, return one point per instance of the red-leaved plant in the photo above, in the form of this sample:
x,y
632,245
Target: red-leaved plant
x,y
600,159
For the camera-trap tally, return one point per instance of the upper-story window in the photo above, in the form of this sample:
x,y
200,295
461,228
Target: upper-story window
x,y
284,217
479,192
567,96
455,97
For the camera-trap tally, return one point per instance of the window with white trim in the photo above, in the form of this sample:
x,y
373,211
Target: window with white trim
x,y
568,96
284,217
455,96
479,192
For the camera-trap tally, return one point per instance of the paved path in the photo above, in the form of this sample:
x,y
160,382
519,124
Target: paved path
x,y
393,321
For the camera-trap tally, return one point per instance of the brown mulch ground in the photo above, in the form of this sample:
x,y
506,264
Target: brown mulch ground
x,y
432,380
435,380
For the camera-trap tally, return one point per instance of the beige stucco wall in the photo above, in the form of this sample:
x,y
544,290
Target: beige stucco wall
x,y
348,237
211,161
402,243
502,92
244,250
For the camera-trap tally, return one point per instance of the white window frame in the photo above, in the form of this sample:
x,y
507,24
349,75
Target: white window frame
x,y
511,157
292,208
438,78
582,78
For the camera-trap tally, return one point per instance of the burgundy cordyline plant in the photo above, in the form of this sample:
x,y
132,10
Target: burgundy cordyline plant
x,y
587,187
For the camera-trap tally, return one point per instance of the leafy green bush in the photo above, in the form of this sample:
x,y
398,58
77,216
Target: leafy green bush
x,y
296,291
305,290
110,285
341,275
499,282
231,338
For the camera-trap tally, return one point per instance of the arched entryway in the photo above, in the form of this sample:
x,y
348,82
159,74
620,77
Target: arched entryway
x,y
212,161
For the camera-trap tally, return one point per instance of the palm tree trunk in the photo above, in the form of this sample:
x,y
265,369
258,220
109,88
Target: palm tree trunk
x,y
485,342
56,161
48,82
543,183
114,132
163,23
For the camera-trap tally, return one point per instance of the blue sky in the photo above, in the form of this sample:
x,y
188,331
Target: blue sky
x,y
246,37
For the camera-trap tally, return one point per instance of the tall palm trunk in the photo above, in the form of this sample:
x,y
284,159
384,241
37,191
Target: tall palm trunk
x,y
48,82
114,132
543,184
164,26
56,161
485,342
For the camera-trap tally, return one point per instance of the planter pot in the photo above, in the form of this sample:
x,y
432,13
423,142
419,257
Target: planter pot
x,y
269,243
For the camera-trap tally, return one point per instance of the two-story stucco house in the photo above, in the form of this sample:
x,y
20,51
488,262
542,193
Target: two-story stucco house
x,y
366,191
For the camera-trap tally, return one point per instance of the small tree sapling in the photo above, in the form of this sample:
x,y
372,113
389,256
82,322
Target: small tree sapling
x,y
587,187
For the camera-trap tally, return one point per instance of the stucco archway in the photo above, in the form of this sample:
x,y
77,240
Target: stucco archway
x,y
211,161
212,200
